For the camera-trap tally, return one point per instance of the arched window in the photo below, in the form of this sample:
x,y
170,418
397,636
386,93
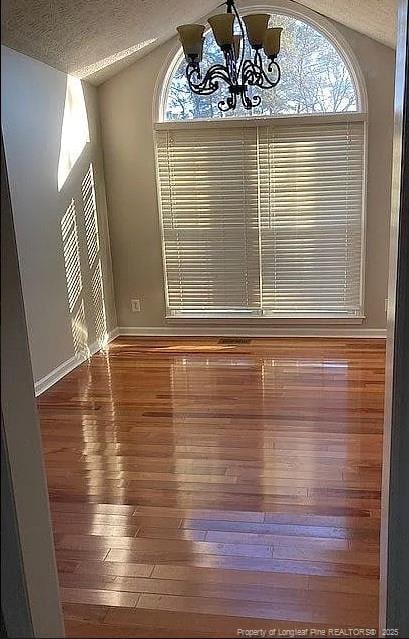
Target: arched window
x,y
317,77
263,215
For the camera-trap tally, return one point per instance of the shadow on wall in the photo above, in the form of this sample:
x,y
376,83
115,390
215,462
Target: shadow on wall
x,y
80,233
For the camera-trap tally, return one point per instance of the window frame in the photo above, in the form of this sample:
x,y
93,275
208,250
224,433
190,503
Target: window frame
x,y
329,31
255,122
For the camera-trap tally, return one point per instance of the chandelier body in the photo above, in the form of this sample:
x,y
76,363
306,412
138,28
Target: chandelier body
x,y
237,73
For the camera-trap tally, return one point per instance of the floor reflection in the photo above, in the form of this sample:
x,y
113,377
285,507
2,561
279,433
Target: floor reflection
x,y
230,481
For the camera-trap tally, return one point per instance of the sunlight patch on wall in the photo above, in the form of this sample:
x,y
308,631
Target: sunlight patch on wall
x,y
73,277
80,331
116,57
71,256
94,256
75,130
99,306
90,216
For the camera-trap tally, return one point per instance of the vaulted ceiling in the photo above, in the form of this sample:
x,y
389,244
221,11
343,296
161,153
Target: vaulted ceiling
x,y
93,38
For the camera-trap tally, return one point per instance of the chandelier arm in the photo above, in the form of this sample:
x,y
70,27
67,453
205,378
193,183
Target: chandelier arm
x,y
269,83
250,102
275,64
210,83
223,74
255,75
250,73
229,104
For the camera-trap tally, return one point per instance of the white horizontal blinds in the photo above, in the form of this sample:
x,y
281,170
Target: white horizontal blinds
x,y
311,199
263,217
208,184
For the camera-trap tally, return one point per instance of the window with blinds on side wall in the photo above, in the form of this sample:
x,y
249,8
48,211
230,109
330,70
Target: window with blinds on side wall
x,y
263,219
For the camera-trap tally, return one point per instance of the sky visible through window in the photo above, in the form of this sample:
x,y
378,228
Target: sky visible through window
x,y
314,79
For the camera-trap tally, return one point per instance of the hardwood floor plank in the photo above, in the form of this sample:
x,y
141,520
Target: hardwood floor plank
x,y
227,577
221,514
273,541
285,529
186,623
98,597
282,611
292,566
252,592
83,629
110,568
95,529
166,533
137,522
91,613
184,547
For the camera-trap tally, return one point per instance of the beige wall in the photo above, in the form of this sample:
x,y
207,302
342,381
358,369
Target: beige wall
x,y
33,100
126,115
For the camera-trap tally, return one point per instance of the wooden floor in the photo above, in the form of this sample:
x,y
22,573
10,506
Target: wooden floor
x,y
199,486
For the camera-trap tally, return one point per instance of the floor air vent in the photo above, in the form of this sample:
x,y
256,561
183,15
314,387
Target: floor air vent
x,y
234,340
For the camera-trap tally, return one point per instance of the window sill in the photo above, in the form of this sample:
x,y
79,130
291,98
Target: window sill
x,y
263,320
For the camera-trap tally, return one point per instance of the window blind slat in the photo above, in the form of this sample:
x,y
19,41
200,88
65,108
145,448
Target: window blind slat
x,y
263,219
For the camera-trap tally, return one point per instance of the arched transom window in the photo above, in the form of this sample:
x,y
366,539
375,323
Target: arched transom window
x,y
316,78
262,215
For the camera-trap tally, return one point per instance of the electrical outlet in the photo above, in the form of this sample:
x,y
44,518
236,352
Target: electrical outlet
x,y
135,305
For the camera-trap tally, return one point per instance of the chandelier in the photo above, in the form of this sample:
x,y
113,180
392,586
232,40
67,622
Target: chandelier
x,y
237,72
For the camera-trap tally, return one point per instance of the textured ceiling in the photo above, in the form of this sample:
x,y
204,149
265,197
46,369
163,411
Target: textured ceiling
x,y
75,35
94,38
374,18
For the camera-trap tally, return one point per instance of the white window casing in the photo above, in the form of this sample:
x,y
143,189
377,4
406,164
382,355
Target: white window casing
x,y
263,216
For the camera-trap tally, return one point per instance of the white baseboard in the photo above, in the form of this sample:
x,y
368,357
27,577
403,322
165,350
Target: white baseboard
x,y
113,334
220,331
217,331
66,367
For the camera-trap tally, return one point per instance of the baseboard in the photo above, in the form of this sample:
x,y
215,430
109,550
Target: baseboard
x,y
66,367
113,334
183,331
